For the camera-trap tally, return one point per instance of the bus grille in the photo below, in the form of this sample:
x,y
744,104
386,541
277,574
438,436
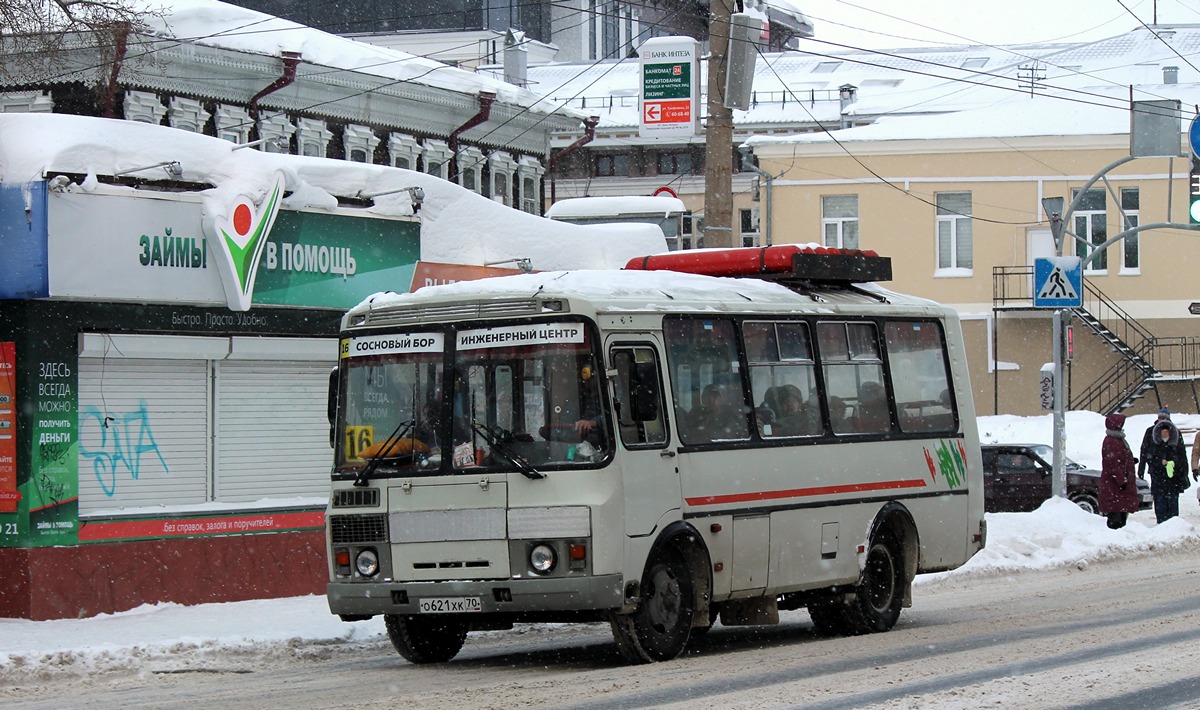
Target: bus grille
x,y
356,529
356,498
451,311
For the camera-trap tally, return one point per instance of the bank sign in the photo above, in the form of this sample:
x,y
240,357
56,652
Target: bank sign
x,y
670,94
176,249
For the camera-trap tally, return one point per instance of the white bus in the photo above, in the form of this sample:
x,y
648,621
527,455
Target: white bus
x,y
650,448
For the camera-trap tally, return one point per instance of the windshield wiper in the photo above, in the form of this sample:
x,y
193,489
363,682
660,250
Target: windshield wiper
x,y
512,457
390,443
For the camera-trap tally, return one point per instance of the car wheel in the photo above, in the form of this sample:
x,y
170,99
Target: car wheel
x,y
1087,501
420,639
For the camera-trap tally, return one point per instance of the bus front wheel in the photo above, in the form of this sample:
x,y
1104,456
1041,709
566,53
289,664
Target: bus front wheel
x,y
880,593
659,629
421,639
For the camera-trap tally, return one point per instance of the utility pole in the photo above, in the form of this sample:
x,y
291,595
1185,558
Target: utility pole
x,y
718,133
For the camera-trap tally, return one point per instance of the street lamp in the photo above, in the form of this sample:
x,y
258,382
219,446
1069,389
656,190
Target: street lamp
x,y
416,194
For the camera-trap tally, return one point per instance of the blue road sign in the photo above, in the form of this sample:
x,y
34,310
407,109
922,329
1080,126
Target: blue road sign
x,y
1058,282
1194,135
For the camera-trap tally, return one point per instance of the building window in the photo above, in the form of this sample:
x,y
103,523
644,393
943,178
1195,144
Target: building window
x,y
187,114
686,231
403,150
26,102
839,221
954,230
1091,228
613,29
612,165
470,168
360,142
233,123
1130,202
529,176
501,166
436,155
749,226
313,136
277,129
826,67
678,162
144,107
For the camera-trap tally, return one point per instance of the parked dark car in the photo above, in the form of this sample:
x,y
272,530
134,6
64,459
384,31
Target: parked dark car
x,y
1016,478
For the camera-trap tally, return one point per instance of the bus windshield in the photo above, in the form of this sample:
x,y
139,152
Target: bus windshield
x,y
528,395
519,398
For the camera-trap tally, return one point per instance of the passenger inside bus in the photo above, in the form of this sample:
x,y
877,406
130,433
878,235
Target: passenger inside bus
x,y
714,419
872,414
790,415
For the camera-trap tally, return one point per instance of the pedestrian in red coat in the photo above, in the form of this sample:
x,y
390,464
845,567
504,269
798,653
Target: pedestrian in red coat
x,y
1118,483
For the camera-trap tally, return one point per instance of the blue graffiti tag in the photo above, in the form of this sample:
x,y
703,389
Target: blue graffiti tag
x,y
124,438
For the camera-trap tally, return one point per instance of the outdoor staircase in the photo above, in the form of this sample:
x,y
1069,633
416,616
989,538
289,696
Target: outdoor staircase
x,y
1146,360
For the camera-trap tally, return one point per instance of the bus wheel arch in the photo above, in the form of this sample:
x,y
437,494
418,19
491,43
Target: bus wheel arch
x,y
888,566
672,598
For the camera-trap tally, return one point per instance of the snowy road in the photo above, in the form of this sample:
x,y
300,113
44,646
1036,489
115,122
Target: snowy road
x,y
1111,634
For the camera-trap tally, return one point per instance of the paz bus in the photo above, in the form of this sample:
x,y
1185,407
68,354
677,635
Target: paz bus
x,y
716,434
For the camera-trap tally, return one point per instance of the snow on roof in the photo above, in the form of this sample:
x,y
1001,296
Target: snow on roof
x,y
641,290
802,87
218,24
613,206
457,226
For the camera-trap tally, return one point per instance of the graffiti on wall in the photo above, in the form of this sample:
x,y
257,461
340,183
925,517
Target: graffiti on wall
x,y
122,441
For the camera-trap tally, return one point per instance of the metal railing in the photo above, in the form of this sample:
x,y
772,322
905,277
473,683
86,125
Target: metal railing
x,y
1145,357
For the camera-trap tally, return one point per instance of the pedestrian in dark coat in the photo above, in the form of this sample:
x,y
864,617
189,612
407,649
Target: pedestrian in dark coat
x,y
1148,441
1118,484
1167,462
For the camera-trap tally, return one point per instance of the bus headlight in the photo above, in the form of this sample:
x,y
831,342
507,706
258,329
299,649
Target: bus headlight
x,y
367,563
542,558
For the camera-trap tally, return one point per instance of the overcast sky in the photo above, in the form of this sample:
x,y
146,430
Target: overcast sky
x,y
879,24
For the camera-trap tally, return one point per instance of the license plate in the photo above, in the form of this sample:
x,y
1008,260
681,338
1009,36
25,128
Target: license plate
x,y
449,605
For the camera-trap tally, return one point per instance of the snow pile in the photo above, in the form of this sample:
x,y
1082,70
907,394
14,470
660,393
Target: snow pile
x,y
458,226
166,636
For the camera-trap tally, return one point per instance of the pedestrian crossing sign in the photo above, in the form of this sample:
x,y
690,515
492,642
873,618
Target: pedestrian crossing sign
x,y
1058,282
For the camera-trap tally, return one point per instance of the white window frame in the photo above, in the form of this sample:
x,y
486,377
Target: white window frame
x,y
501,164
751,237
529,168
470,162
839,224
403,146
144,107
436,156
953,224
313,136
1089,218
360,138
187,114
277,129
26,102
1132,218
233,123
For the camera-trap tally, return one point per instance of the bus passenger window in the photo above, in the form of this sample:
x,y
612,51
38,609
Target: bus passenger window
x,y
703,363
923,401
853,369
782,379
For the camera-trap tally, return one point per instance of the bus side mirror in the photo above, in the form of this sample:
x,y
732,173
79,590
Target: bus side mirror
x,y
645,392
331,404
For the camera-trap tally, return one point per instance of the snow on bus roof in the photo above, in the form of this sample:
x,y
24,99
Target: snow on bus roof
x,y
616,205
638,290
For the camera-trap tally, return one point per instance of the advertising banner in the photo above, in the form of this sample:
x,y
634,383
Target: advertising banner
x,y
154,250
8,431
670,91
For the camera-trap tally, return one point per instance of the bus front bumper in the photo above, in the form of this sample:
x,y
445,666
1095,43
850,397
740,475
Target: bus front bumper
x,y
494,596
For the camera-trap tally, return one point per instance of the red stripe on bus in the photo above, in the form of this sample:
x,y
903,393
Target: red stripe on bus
x,y
805,492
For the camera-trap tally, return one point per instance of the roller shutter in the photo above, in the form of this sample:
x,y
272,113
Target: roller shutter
x,y
272,438
143,433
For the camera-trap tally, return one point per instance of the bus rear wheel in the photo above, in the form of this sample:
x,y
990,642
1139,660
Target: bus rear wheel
x,y
421,639
880,593
659,629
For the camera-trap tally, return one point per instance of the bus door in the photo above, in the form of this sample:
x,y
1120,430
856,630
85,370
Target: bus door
x,y
650,477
